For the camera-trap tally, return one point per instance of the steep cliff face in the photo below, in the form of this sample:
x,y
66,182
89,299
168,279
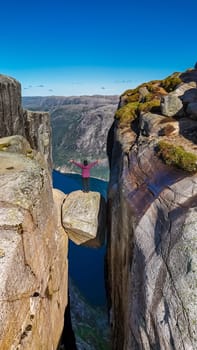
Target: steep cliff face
x,y
33,243
34,126
152,247
33,251
10,106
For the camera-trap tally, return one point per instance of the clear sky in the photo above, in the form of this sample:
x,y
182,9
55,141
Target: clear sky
x,y
78,47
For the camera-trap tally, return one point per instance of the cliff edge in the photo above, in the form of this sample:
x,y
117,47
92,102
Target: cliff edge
x,y
33,251
152,201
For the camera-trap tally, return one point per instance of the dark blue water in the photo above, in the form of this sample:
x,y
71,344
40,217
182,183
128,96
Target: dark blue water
x,y
86,265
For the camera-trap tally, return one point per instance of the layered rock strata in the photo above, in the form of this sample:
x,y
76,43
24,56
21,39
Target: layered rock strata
x,y
152,246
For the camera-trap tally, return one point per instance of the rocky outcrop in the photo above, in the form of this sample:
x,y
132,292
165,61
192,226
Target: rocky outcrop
x,y
152,255
171,105
33,263
33,248
38,133
83,217
10,106
34,126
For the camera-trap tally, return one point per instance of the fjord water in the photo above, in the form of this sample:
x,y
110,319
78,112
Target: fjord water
x,y
86,265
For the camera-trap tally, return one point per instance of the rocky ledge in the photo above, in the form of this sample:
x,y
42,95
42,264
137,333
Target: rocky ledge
x,y
152,246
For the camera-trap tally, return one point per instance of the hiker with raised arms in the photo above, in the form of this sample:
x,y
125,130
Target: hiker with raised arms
x,y
85,172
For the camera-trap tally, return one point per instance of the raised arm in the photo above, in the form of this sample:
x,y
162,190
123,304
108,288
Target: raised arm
x,y
76,163
90,165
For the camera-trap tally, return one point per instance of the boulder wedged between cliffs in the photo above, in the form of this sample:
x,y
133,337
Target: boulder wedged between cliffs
x,y
83,218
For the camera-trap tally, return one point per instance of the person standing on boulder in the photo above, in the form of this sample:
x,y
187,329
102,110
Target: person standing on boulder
x,y
85,172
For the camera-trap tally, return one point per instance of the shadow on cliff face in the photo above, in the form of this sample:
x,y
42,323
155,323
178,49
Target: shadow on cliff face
x,y
100,238
110,141
188,128
114,153
114,147
67,341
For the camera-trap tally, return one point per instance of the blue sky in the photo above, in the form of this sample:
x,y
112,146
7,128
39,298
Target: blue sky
x,y
102,47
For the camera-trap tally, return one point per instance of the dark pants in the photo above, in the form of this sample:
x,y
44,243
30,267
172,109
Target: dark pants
x,y
85,182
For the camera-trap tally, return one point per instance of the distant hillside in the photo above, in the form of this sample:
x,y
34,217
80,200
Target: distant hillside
x,y
80,126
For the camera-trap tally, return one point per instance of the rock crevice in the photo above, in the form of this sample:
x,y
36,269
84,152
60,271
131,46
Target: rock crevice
x,y
33,240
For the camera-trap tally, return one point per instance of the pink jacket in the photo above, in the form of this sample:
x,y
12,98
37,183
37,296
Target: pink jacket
x,y
85,168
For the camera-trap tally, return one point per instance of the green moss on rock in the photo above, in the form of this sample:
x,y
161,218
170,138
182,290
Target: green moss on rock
x,y
177,156
130,92
130,111
133,95
171,82
136,101
151,105
127,113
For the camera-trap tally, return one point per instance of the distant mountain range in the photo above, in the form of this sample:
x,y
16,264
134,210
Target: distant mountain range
x,y
79,126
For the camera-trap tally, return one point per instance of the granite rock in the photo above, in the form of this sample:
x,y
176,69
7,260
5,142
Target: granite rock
x,y
34,126
171,105
83,217
33,246
151,246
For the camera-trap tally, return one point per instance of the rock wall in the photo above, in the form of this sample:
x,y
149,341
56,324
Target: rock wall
x,y
33,251
34,126
33,243
10,106
152,202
